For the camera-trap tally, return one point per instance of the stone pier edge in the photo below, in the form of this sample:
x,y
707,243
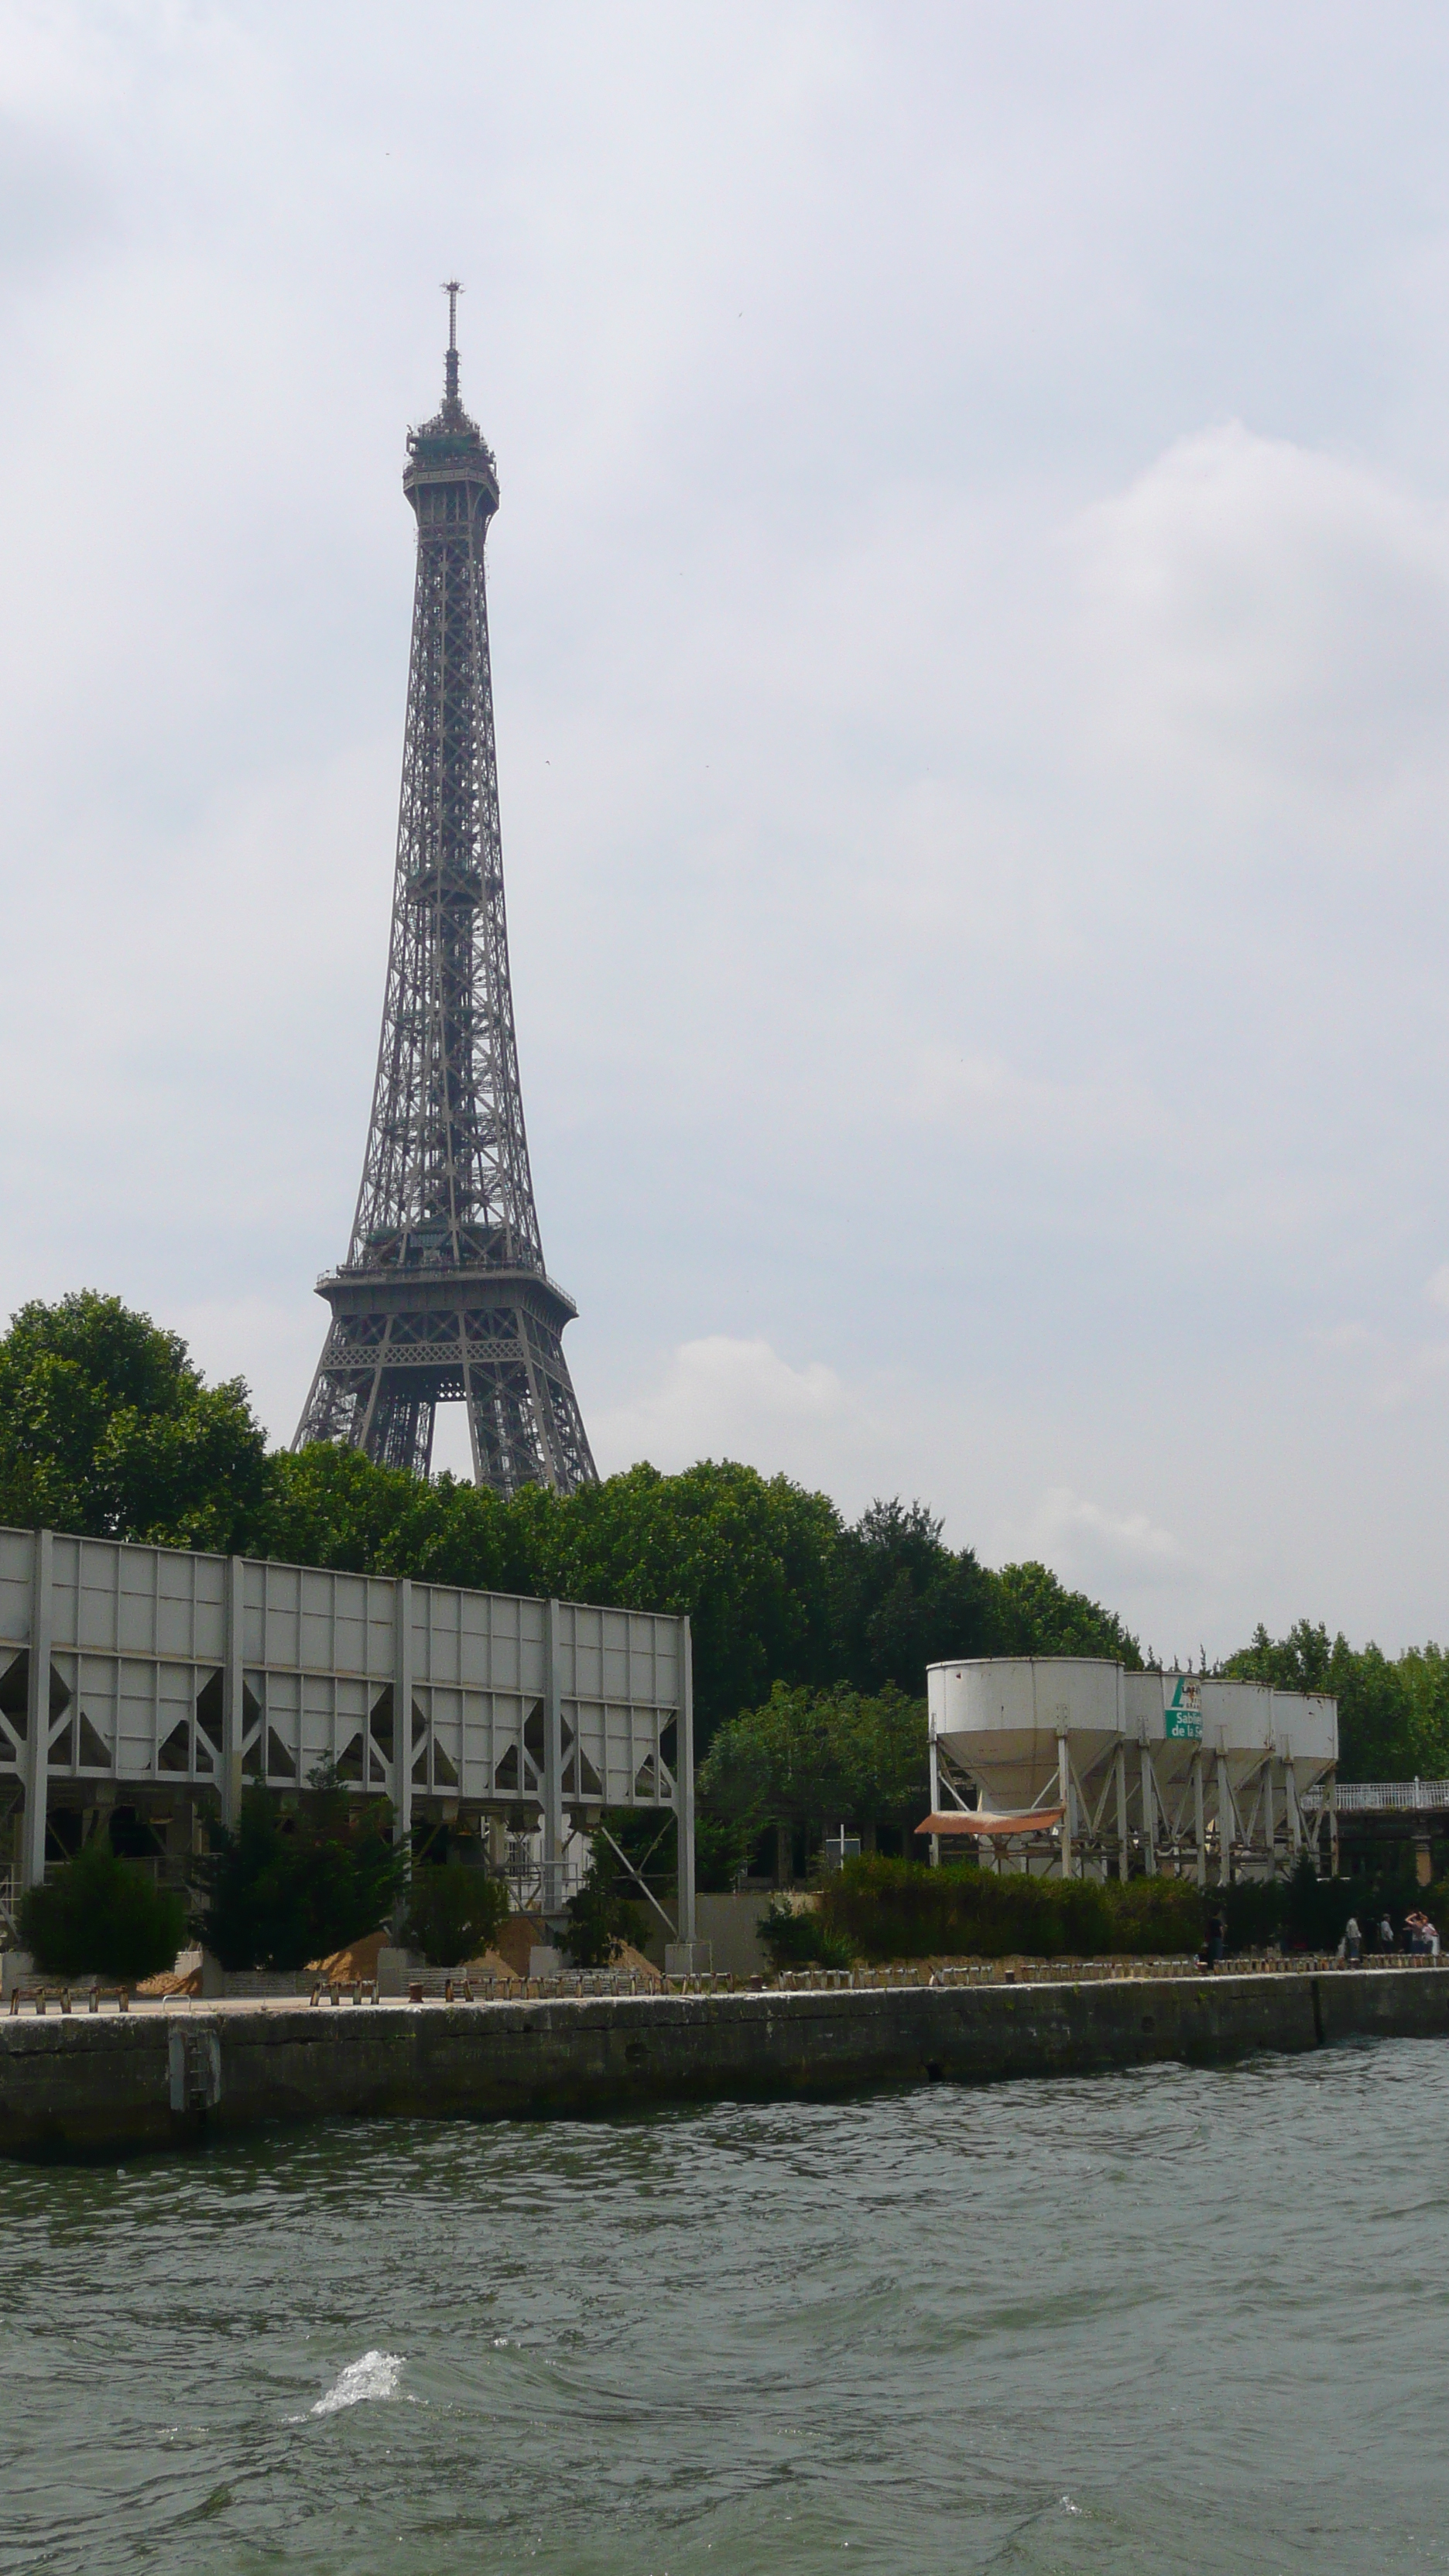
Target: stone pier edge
x,y
98,2085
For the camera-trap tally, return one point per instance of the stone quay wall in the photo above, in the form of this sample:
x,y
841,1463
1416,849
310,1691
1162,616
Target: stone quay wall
x,y
104,2083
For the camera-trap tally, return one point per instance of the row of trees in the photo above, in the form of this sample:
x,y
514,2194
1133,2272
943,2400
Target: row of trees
x,y
107,1428
820,1629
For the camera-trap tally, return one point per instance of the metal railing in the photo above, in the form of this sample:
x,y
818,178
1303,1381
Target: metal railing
x,y
1370,1797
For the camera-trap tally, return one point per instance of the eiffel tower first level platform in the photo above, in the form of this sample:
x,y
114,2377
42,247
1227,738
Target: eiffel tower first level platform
x,y
443,1297
402,1343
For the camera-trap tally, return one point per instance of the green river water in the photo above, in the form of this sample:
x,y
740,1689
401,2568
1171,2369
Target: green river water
x,y
1169,2320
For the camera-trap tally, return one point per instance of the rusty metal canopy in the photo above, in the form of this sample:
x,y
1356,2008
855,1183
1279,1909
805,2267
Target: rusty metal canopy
x,y
965,1821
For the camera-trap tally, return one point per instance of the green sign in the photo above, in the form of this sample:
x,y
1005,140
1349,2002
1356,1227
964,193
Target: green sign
x,y
1181,1709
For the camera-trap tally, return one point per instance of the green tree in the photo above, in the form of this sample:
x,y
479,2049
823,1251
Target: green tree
x,y
1037,1615
107,1429
454,1913
327,1505
1424,1671
749,1559
286,1889
104,1917
600,1919
902,1600
811,1757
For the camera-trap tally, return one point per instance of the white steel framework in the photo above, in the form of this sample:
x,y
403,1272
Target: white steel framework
x,y
169,1681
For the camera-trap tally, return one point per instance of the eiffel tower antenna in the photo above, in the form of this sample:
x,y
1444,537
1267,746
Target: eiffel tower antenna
x,y
443,1296
452,290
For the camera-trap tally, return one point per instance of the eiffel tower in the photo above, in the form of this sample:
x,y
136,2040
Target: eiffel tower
x,y
443,1297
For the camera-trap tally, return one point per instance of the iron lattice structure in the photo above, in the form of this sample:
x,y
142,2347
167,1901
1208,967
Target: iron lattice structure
x,y
443,1297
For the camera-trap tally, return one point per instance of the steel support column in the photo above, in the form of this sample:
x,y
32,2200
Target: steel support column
x,y
1295,1822
233,1696
934,1759
553,1835
402,1712
37,1708
684,1793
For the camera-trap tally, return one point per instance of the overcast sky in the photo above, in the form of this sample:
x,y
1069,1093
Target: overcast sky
x,y
970,615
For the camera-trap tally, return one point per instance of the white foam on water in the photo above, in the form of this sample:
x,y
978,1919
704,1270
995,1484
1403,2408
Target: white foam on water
x,y
375,2375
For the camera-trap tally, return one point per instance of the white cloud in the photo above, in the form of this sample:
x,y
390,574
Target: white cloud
x,y
1254,602
1100,1551
727,1398
280,1344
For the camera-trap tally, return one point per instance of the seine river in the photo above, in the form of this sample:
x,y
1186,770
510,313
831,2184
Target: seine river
x,y
1164,2321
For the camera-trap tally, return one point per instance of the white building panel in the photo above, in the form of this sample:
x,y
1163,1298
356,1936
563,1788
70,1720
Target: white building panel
x,y
16,1553
140,1649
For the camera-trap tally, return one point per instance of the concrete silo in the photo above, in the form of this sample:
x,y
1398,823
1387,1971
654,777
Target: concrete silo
x,y
1072,1764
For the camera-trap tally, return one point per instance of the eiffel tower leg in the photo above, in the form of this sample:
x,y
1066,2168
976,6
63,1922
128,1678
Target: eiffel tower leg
x,y
365,1436
401,1433
501,1419
556,1407
469,1408
335,1405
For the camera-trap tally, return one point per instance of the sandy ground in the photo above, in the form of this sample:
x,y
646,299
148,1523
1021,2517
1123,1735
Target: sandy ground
x,y
508,1958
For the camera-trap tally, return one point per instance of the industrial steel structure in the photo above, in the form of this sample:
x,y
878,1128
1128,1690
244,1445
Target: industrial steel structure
x,y
146,1686
443,1296
1073,1766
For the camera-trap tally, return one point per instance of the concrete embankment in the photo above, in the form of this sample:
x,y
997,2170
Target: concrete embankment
x,y
109,2082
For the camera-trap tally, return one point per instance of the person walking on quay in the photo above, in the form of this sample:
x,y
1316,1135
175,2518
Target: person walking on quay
x,y
1386,1932
1352,1941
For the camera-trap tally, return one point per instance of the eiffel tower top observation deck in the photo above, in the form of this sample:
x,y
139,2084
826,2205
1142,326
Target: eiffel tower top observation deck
x,y
443,1296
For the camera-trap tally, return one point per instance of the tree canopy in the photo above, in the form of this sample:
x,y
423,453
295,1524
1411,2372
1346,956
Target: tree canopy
x,y
1393,1711
107,1429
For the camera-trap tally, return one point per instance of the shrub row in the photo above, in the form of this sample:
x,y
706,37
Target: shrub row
x,y
898,1909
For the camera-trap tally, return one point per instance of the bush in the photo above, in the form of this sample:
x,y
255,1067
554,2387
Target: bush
x,y
282,1890
102,1916
800,1939
899,1909
454,1913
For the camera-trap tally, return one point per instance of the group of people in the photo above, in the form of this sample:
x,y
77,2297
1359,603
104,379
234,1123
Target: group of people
x,y
1420,1938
